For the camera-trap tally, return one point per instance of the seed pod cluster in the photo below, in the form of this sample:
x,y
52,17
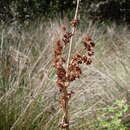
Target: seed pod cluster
x,y
66,37
73,71
88,44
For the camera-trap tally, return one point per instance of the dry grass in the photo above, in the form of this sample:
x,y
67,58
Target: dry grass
x,y
28,96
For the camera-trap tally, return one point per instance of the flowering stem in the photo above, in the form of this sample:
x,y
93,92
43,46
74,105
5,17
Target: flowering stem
x,y
73,31
65,109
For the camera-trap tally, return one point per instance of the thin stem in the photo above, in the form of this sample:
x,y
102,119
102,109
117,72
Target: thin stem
x,y
2,41
65,108
73,31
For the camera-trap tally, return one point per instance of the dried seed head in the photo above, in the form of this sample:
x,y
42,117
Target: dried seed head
x,y
58,48
84,59
58,61
65,76
88,43
63,125
70,77
90,53
89,61
61,73
60,83
74,22
66,37
92,44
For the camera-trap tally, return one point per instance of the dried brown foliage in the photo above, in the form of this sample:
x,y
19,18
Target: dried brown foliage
x,y
73,71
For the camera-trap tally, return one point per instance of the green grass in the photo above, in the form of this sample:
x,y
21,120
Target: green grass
x,y
28,95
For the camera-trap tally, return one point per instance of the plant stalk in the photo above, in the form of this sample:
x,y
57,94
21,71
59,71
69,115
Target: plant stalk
x,y
66,107
73,31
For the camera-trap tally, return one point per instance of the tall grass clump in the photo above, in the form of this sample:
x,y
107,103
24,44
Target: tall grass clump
x,y
29,99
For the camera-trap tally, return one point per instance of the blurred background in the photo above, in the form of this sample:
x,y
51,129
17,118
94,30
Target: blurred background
x,y
117,10
28,93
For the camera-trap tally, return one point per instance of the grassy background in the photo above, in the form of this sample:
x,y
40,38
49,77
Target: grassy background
x,y
28,94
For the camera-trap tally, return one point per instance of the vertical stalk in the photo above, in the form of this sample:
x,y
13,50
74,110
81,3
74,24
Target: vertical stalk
x,y
63,78
2,41
66,107
73,31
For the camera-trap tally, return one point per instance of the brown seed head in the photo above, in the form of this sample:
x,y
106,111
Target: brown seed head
x,y
88,43
58,48
66,37
63,125
90,53
74,22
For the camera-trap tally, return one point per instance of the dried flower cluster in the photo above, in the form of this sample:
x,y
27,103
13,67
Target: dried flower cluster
x,y
66,38
74,22
72,71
